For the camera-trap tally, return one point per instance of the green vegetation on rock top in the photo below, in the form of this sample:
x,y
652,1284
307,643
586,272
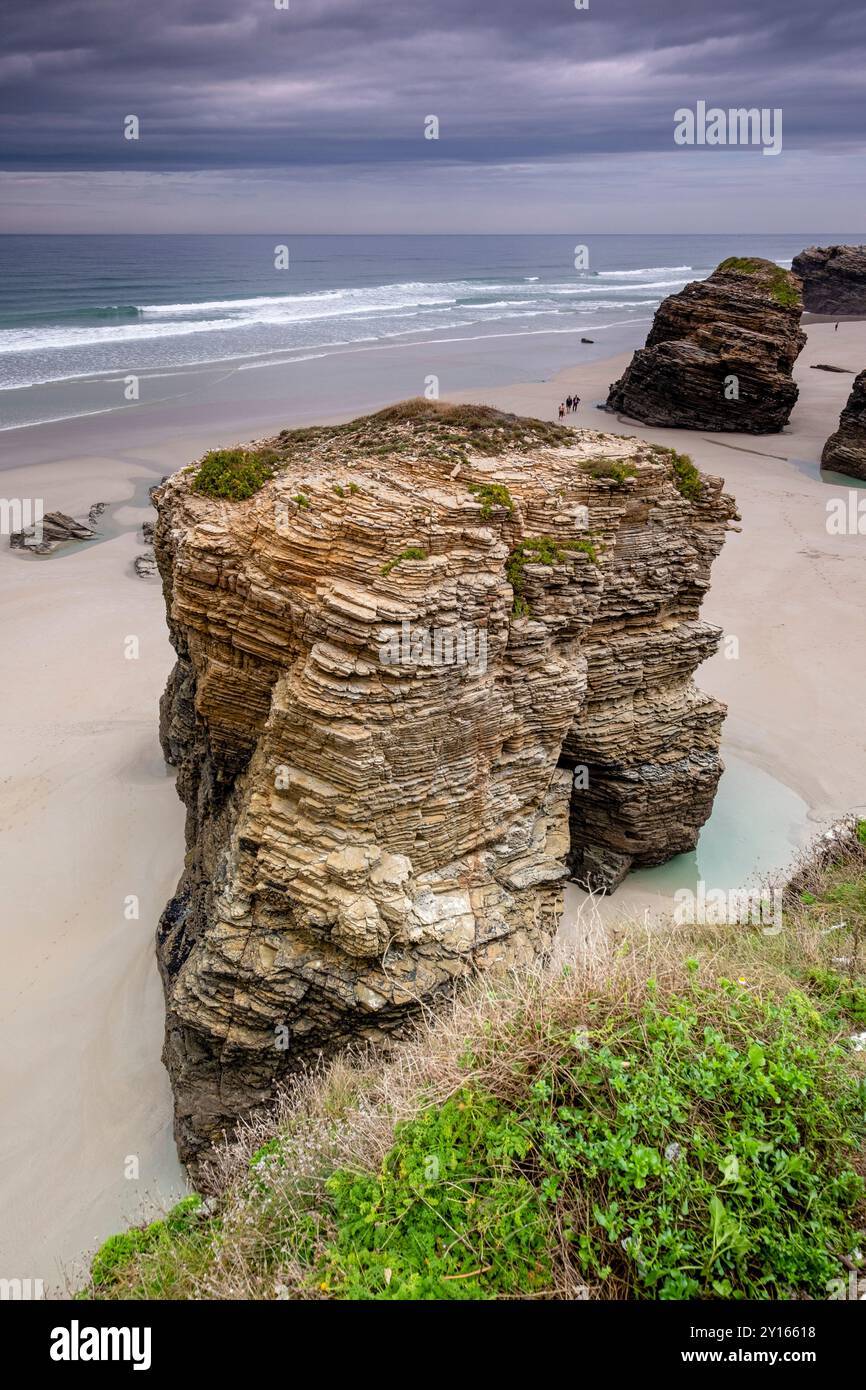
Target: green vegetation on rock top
x,y
233,474
780,283
687,479
617,470
685,476
422,429
414,429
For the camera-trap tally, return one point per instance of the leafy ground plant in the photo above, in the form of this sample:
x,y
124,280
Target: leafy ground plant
x,y
661,1156
634,1124
492,495
541,550
233,474
161,1248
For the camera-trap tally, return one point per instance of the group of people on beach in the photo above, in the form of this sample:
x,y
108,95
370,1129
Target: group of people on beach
x,y
568,405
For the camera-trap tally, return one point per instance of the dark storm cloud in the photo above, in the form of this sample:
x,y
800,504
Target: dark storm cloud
x,y
238,83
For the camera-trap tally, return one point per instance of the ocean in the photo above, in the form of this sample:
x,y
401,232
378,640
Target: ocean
x,y
185,315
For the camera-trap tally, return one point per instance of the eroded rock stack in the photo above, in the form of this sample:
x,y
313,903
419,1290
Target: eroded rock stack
x,y
845,451
720,354
834,279
391,660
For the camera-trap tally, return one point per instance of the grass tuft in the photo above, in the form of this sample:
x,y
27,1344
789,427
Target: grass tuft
x,y
413,552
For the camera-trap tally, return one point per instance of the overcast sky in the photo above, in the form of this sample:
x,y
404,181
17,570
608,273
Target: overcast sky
x,y
312,119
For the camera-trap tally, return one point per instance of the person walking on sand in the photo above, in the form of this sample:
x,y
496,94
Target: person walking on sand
x,y
568,402
575,402
562,410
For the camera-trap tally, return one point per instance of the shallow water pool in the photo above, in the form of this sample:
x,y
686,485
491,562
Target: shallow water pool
x,y
756,828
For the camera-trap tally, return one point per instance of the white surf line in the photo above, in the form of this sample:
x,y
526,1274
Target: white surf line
x,y
200,368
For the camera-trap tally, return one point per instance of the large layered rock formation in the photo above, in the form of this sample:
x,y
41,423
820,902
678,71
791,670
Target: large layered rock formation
x,y
720,353
442,658
845,451
834,279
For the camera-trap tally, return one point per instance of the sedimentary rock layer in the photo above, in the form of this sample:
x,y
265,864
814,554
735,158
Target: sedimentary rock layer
x,y
834,279
845,451
720,353
442,658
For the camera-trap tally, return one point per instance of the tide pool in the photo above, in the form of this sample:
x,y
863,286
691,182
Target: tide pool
x,y
757,826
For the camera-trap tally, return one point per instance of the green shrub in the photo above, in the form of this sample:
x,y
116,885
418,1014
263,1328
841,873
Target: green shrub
x,y
114,1258
115,1254
492,495
541,550
687,479
449,1216
412,553
617,470
848,997
234,474
698,1149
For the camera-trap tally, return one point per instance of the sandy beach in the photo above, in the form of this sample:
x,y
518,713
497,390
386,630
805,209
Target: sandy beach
x,y
91,819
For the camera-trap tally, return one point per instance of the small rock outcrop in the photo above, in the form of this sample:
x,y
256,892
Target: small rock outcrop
x,y
55,529
834,279
845,451
435,661
145,565
720,354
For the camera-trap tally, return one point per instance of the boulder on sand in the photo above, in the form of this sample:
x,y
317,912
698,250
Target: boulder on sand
x,y
368,821
834,279
720,354
55,530
845,451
